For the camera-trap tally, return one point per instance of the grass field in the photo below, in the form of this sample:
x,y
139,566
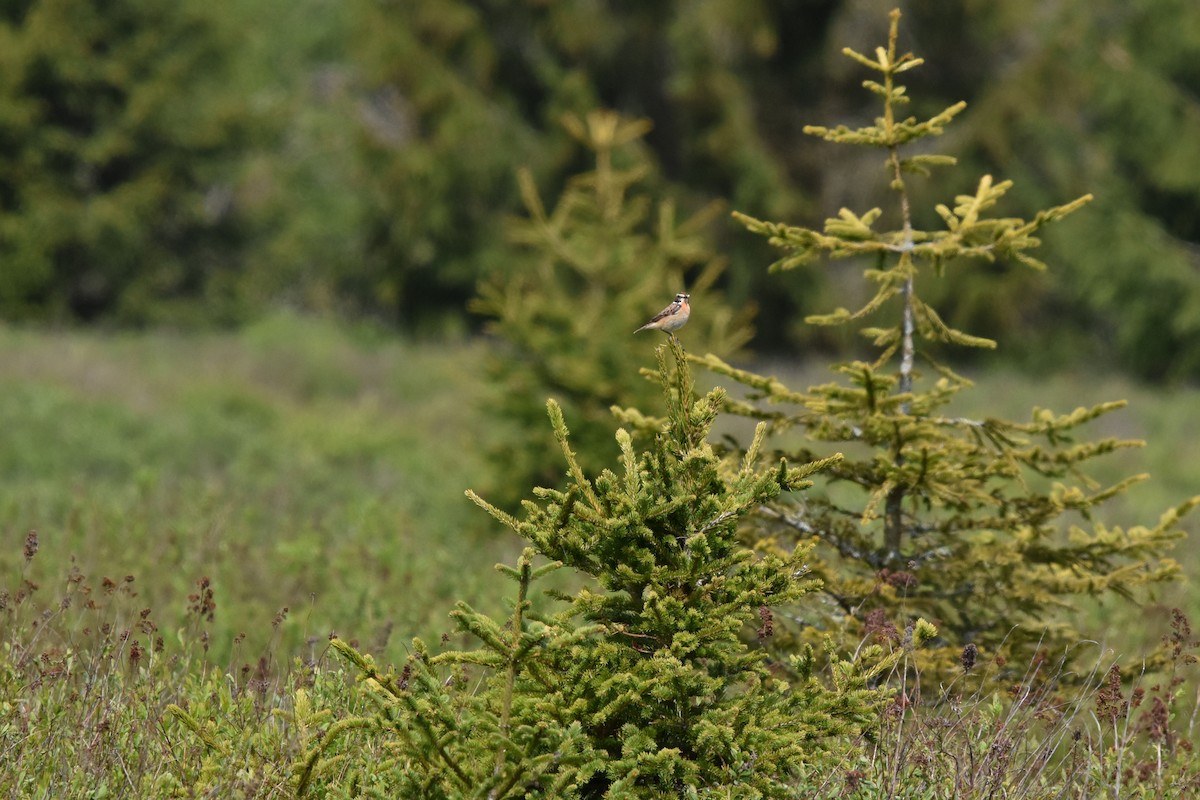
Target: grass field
x,y
293,465
320,470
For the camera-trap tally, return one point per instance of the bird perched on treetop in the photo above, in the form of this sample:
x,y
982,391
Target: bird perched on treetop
x,y
671,318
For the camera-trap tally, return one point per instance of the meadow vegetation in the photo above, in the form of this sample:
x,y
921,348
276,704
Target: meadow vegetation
x,y
292,465
174,458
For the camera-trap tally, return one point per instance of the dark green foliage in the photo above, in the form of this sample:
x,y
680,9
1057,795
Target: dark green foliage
x,y
114,196
983,525
1081,94
581,278
439,139
1101,97
465,90
303,180
394,127
646,684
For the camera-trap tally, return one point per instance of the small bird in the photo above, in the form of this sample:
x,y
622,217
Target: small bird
x,y
671,318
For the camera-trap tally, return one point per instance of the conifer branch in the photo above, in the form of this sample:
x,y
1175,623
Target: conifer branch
x,y
508,520
561,433
516,629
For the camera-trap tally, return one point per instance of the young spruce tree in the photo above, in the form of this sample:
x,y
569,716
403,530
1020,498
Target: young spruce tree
x,y
985,526
579,279
648,683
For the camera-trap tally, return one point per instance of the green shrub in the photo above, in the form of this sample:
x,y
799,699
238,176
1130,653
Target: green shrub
x,y
648,682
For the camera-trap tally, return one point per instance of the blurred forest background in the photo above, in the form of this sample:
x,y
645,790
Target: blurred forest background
x,y
195,164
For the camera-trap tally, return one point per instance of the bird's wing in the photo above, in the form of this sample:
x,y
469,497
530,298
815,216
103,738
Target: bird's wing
x,y
669,311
